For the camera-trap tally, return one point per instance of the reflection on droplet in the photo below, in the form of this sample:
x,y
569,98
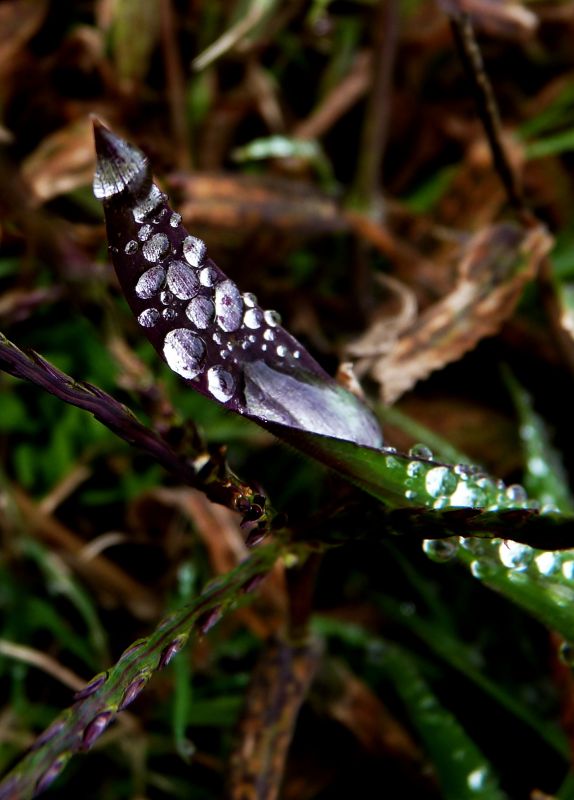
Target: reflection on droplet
x,y
156,247
184,352
200,312
150,282
144,233
220,383
272,318
131,247
145,208
148,318
182,280
194,251
253,317
228,306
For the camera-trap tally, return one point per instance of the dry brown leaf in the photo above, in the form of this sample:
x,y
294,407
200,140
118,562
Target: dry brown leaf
x,y
278,688
494,269
62,162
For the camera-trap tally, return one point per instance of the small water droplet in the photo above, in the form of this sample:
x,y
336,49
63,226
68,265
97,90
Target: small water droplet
x,y
477,779
253,317
228,306
144,233
200,312
269,335
568,569
194,251
272,318
156,247
441,550
482,569
297,354
420,451
150,283
566,653
217,338
166,297
169,314
146,207
148,318
549,508
207,276
184,352
224,354
220,383
537,466
182,280
415,468
410,494
245,344
515,556
131,247
175,220
249,299
281,350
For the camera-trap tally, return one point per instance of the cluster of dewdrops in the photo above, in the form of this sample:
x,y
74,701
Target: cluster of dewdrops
x,y
190,284
464,486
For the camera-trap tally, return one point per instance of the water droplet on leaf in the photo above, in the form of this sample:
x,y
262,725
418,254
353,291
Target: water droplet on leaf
x,y
228,306
182,280
148,318
200,312
194,251
184,352
156,247
150,283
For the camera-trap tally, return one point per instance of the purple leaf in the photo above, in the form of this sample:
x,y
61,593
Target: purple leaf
x,y
219,340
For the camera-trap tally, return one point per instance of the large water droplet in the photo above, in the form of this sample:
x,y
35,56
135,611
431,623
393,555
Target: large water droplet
x,y
184,352
228,306
253,317
515,556
146,207
200,312
220,383
148,318
150,283
194,251
440,481
182,280
156,247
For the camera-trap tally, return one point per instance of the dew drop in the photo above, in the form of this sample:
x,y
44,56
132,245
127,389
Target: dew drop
x,y
253,317
281,350
228,306
568,570
200,312
547,563
220,383
272,318
217,338
144,233
420,451
440,481
297,354
169,314
250,300
150,282
184,352
441,550
156,247
269,335
208,276
264,347
146,207
477,779
182,280
175,220
131,247
194,251
415,468
515,555
148,318
482,569
166,297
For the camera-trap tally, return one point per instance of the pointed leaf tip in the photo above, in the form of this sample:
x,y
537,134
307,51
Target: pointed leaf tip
x,y
119,165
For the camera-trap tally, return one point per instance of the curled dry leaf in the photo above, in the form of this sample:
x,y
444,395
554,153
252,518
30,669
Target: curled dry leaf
x,y
497,264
